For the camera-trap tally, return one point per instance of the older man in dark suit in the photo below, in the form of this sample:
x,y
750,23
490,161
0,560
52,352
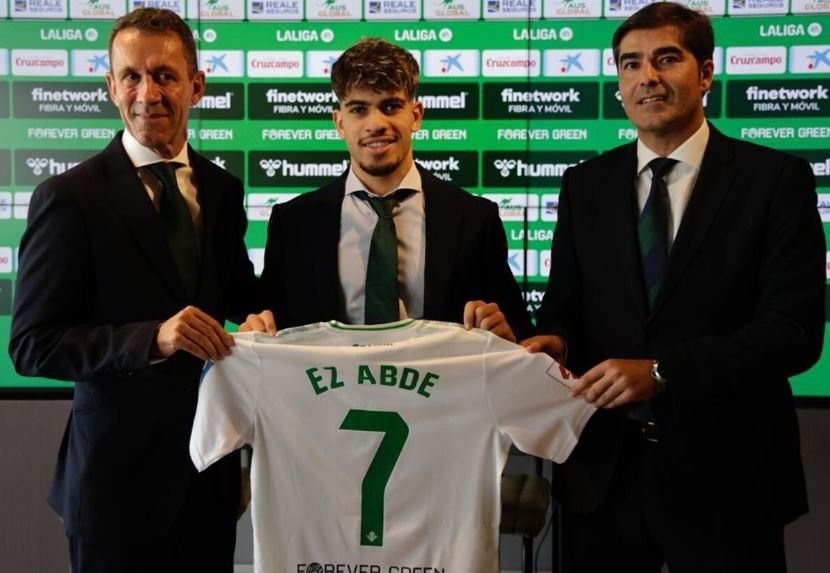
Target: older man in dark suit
x,y
687,284
437,252
130,264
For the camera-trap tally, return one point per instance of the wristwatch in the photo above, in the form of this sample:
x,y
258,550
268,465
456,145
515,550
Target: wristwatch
x,y
655,373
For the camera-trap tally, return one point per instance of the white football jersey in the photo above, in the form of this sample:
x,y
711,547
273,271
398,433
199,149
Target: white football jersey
x,y
380,449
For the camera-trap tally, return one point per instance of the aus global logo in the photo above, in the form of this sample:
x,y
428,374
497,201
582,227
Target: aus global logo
x,y
96,9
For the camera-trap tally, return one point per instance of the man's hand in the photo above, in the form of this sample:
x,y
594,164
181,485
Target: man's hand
x,y
193,331
487,316
617,382
262,322
550,344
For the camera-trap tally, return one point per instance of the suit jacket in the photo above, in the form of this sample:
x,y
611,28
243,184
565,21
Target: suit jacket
x,y
95,278
466,257
739,311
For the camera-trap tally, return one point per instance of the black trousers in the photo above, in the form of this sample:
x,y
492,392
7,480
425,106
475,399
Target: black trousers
x,y
642,525
202,539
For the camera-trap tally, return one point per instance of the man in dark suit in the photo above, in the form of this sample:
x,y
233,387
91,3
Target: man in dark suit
x,y
127,272
693,459
450,246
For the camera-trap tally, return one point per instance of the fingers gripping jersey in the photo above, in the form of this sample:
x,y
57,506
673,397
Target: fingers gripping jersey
x,y
379,449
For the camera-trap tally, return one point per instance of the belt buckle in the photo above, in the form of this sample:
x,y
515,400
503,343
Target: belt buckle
x,y
649,430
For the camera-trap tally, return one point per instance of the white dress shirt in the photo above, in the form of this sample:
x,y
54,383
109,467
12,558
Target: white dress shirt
x,y
680,180
142,156
357,223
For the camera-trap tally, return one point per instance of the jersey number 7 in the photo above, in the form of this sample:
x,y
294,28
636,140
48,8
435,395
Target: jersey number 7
x,y
395,432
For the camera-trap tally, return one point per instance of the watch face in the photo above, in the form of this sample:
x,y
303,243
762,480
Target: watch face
x,y
655,373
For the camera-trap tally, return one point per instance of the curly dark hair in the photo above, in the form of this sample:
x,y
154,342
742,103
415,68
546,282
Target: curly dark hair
x,y
376,64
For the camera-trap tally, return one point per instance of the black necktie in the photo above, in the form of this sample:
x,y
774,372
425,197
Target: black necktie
x,y
178,224
653,228
382,270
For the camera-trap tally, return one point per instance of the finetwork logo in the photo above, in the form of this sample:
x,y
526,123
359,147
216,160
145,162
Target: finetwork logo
x,y
756,60
573,9
275,64
452,9
333,9
457,167
90,63
810,59
275,10
569,63
286,100
789,98
96,9
222,63
451,63
319,63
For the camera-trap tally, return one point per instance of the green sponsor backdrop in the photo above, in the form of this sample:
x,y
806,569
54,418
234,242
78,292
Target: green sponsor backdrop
x,y
505,136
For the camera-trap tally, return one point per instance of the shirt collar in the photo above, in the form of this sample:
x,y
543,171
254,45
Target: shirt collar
x,y
412,180
690,151
142,156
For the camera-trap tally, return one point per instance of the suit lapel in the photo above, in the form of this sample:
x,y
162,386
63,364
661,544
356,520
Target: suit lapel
x,y
209,200
711,187
618,223
323,249
443,230
129,199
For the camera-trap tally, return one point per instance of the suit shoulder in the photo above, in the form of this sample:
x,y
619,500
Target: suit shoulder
x,y
454,195
328,195
755,156
213,172
79,178
618,155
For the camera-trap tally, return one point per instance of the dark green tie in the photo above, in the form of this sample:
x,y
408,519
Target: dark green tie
x,y
653,228
382,270
178,224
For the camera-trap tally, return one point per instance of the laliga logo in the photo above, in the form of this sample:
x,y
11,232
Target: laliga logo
x,y
37,165
504,166
270,166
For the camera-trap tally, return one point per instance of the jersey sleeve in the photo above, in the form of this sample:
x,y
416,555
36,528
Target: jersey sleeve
x,y
225,414
530,399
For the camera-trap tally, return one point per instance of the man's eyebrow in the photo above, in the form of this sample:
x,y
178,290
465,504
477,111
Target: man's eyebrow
x,y
631,56
668,50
